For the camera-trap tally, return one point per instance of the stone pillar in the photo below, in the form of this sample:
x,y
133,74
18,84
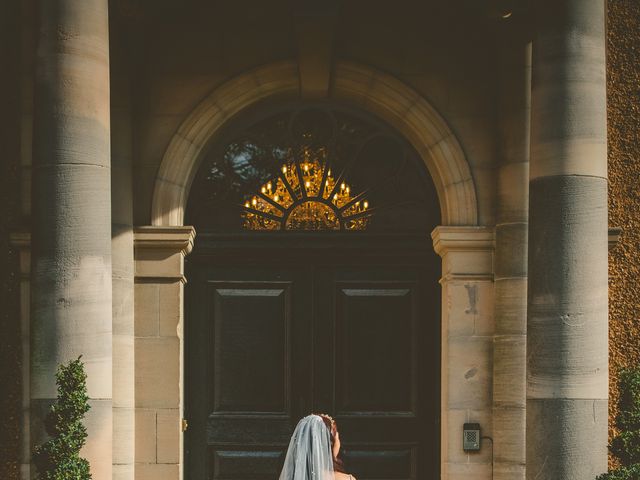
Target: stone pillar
x,y
159,289
467,345
71,215
123,270
509,349
567,377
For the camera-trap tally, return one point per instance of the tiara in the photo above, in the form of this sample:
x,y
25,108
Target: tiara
x,y
325,415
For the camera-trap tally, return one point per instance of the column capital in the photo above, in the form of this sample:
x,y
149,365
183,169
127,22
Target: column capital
x,y
467,252
160,251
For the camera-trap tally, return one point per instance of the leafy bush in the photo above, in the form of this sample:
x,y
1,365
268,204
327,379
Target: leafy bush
x,y
626,446
59,457
622,473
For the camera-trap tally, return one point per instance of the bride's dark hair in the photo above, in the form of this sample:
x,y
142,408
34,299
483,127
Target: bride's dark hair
x,y
338,465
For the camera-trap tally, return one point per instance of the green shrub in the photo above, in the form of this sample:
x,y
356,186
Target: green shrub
x,y
59,457
626,446
622,473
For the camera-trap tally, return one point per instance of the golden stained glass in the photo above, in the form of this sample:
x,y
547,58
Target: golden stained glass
x,y
306,196
312,215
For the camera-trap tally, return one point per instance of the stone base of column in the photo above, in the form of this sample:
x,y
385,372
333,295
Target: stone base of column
x,y
565,455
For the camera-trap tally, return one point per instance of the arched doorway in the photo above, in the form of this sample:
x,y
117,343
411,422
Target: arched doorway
x,y
312,288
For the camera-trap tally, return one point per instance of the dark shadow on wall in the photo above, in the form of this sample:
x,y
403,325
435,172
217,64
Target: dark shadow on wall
x,y
10,350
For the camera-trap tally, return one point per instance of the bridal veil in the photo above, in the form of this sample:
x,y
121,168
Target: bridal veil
x,y
309,456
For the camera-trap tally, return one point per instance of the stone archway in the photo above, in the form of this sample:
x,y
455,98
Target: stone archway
x,y
371,90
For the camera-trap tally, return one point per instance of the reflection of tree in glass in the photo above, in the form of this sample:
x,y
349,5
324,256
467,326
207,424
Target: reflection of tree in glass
x,y
249,161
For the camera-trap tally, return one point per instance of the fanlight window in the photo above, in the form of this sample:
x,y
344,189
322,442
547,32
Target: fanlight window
x,y
306,196
312,169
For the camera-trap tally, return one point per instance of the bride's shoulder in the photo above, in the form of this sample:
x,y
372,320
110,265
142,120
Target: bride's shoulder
x,y
344,476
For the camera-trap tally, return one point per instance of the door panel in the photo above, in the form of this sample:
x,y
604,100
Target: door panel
x,y
375,367
383,463
251,347
245,463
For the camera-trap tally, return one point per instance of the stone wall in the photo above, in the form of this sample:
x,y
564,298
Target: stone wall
x,y
623,117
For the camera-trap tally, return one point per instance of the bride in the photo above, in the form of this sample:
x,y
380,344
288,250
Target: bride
x,y
313,451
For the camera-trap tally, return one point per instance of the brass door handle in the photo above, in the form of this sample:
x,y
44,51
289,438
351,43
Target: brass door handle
x,y
184,425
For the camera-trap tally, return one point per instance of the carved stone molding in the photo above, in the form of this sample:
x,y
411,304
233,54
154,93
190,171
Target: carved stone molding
x,y
159,251
467,252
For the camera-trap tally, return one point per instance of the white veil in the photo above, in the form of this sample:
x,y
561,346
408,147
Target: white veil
x,y
309,455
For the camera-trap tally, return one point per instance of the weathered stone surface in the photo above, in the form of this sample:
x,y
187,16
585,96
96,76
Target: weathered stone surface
x,y
146,430
560,438
124,432
468,471
468,367
513,188
169,436
510,423
509,367
469,306
147,309
567,319
506,471
123,471
123,364
511,250
511,305
157,471
158,372
170,308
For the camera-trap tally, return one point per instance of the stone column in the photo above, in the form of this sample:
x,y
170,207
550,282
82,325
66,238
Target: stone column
x,y
509,348
123,267
567,377
159,345
467,345
71,215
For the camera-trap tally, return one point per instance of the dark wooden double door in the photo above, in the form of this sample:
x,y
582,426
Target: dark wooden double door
x,y
276,336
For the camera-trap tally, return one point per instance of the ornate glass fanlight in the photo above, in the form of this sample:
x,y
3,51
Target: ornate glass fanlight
x,y
306,196
317,168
